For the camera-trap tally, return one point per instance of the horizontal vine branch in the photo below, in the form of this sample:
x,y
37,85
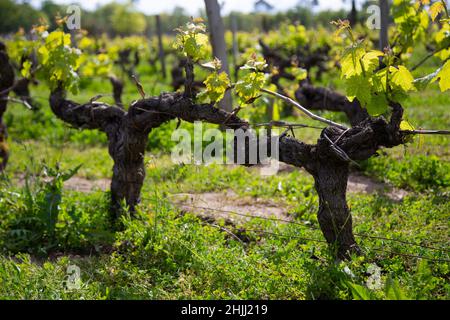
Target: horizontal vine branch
x,y
304,110
128,131
317,98
426,132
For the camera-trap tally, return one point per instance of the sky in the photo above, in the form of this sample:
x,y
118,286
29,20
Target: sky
x,y
193,6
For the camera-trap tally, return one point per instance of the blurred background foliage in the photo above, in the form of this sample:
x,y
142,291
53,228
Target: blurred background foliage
x,y
122,19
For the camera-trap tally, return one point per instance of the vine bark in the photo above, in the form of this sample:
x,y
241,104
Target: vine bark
x,y
327,161
6,82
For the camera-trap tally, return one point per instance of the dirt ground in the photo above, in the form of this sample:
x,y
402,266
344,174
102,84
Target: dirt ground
x,y
233,208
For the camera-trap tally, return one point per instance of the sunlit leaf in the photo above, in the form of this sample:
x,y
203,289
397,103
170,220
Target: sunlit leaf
x,y
216,86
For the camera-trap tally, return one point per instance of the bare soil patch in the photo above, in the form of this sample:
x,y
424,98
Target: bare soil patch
x,y
76,184
358,183
229,206
85,185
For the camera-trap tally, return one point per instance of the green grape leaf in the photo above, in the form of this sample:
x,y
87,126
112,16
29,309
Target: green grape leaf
x,y
424,20
192,41
379,80
26,69
249,87
377,105
435,9
351,61
59,61
299,73
194,46
357,61
363,89
444,77
402,78
86,43
44,54
358,87
96,65
255,64
371,60
405,125
58,38
216,86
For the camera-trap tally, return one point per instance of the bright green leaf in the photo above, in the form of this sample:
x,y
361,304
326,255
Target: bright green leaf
x,y
216,85
435,9
371,60
444,77
377,105
402,78
351,61
26,69
249,87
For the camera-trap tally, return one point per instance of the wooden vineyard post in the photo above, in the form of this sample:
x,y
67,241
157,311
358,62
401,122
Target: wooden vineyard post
x,y
162,59
235,44
384,11
217,30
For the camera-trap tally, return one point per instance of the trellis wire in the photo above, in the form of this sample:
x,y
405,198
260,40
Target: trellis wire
x,y
300,125
362,235
323,241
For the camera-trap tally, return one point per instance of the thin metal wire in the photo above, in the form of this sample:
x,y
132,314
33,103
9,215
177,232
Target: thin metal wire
x,y
262,231
323,241
361,235
285,235
299,125
410,255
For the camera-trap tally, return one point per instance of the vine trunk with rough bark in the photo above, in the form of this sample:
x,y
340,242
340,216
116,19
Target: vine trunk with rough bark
x,y
327,161
334,215
6,83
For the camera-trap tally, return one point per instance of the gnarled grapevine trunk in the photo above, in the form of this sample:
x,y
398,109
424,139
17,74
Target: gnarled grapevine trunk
x,y
334,215
330,176
4,153
6,82
127,149
327,161
127,133
127,141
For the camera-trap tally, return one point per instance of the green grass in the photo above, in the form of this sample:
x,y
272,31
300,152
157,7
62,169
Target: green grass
x,y
167,254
